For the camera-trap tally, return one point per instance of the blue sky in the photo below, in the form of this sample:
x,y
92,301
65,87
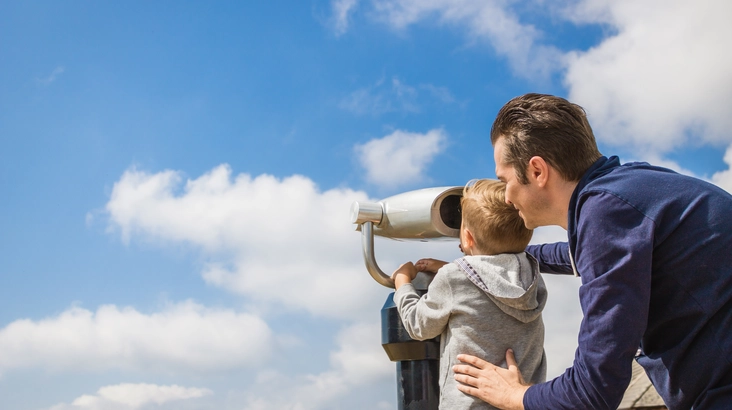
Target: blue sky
x,y
176,176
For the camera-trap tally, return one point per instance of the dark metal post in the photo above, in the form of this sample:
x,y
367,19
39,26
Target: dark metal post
x,y
423,215
417,362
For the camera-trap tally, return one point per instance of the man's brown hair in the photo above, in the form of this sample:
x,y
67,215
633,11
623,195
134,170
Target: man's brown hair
x,y
496,226
549,127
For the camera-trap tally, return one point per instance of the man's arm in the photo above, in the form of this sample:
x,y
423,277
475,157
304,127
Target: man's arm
x,y
614,257
552,257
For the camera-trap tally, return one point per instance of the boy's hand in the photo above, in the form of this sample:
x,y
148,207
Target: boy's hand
x,y
429,265
404,274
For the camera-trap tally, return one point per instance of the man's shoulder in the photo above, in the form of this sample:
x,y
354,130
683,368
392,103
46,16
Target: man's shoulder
x,y
647,187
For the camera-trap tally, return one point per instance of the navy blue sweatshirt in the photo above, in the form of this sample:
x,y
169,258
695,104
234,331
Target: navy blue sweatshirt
x,y
654,251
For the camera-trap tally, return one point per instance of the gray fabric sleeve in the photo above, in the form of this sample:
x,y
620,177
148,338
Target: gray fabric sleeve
x,y
425,317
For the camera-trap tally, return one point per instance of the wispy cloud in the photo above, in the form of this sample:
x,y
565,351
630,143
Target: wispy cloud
x,y
342,10
373,100
442,94
129,396
359,360
44,81
401,157
394,96
491,22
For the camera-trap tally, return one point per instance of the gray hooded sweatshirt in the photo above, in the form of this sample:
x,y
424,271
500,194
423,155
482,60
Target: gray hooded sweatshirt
x,y
482,323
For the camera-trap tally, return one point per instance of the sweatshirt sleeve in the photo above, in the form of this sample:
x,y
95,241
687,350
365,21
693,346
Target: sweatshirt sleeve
x,y
614,257
425,317
552,257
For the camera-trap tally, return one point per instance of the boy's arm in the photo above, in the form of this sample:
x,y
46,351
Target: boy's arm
x,y
429,265
425,317
404,274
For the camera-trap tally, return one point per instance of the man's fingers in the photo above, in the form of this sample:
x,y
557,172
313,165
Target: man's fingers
x,y
464,370
474,361
468,389
466,380
478,386
490,383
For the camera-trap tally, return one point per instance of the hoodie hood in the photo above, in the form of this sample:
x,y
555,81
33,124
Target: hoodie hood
x,y
511,280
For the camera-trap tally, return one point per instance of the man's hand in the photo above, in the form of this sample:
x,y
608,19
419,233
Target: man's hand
x,y
404,274
429,265
503,388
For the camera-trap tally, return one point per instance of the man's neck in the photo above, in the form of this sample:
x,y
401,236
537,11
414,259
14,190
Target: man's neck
x,y
563,194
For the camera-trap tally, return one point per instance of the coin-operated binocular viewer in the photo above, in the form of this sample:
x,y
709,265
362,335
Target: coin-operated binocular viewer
x,y
423,214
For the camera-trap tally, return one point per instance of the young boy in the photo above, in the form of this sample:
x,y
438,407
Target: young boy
x,y
484,303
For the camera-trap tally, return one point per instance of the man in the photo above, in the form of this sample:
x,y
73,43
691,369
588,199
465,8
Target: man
x,y
653,249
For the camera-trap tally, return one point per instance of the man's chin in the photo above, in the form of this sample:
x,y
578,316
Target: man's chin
x,y
528,224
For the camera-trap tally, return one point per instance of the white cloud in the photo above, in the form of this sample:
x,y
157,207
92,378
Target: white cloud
x,y
281,243
128,396
183,337
360,356
285,243
277,241
562,314
549,234
490,21
662,79
562,317
359,361
724,178
659,78
400,157
342,9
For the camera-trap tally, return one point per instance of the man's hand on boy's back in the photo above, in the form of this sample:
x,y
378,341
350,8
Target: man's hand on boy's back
x,y
429,265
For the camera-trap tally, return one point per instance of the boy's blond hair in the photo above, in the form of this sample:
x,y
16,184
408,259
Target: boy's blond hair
x,y
496,226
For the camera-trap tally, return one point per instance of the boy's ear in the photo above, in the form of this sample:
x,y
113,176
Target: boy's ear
x,y
538,170
469,239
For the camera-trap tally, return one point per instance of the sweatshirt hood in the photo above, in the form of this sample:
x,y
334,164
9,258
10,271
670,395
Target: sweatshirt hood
x,y
511,280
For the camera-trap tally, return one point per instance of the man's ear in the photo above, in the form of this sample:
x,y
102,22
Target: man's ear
x,y
538,170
